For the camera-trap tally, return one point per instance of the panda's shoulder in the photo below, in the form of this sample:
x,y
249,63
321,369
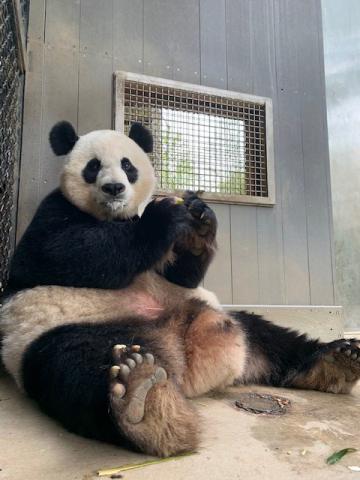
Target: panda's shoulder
x,y
55,206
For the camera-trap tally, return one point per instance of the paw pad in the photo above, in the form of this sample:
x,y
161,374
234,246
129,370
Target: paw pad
x,y
127,360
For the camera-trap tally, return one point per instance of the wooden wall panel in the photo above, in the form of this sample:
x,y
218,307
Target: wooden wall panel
x,y
316,156
270,48
214,73
290,154
268,220
128,35
219,277
213,43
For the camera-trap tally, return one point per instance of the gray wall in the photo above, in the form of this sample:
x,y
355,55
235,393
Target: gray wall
x,y
280,255
342,68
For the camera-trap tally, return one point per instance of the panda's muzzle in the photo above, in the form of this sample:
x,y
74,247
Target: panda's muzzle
x,y
113,189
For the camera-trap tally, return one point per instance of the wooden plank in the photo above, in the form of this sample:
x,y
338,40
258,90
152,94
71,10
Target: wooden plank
x,y
128,35
96,22
290,156
158,45
185,40
60,102
238,53
31,137
213,43
244,255
269,220
316,155
245,274
171,39
218,278
36,20
213,73
95,93
62,23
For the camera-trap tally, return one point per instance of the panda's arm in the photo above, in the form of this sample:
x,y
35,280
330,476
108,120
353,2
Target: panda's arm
x,y
188,270
74,249
195,249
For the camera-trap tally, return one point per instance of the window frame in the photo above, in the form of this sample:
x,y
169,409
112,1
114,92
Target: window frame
x,y
118,123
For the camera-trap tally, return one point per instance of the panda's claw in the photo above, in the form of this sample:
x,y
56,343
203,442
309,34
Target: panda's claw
x,y
117,353
114,372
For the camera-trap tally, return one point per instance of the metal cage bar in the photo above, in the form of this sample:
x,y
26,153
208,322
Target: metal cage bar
x,y
216,141
13,22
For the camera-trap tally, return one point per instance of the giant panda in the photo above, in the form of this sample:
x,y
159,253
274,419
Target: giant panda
x,y
105,324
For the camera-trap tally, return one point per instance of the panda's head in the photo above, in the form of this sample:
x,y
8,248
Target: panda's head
x,y
108,174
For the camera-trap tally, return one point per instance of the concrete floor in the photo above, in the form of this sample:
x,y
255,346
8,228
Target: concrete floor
x,y
237,445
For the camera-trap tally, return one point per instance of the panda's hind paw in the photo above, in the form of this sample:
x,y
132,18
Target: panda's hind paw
x,y
132,376
346,354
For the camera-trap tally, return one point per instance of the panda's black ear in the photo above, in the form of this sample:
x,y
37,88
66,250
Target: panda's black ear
x,y
142,136
62,138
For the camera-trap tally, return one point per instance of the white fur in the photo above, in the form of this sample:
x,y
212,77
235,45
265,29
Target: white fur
x,y
33,312
109,147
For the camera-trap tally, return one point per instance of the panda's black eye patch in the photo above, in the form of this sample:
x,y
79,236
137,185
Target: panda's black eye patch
x,y
91,170
129,169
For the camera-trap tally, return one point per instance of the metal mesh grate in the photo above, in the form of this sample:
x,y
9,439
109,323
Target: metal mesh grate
x,y
11,83
206,142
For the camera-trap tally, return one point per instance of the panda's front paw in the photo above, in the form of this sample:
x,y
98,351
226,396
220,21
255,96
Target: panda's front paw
x,y
164,217
203,218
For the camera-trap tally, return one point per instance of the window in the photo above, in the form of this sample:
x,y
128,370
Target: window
x,y
205,139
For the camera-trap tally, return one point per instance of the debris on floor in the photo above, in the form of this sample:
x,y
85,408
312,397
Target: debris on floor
x,y
337,456
264,404
132,466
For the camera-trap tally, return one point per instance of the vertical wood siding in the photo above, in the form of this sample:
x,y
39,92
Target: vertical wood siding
x,y
279,255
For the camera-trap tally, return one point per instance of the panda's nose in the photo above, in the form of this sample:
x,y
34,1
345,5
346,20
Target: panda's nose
x,y
113,188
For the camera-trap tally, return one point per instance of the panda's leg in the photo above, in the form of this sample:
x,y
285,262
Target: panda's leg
x,y
293,360
215,350
224,350
147,407
126,397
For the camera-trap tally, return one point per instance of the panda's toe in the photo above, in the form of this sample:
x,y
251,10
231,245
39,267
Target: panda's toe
x,y
118,390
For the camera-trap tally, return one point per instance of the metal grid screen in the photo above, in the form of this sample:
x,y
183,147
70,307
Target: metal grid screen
x,y
202,141
11,83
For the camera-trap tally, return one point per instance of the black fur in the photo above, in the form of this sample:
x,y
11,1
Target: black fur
x,y
189,269
289,352
62,138
61,239
78,397
91,170
142,136
130,170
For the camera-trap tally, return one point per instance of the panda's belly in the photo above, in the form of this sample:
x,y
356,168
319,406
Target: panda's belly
x,y
32,312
